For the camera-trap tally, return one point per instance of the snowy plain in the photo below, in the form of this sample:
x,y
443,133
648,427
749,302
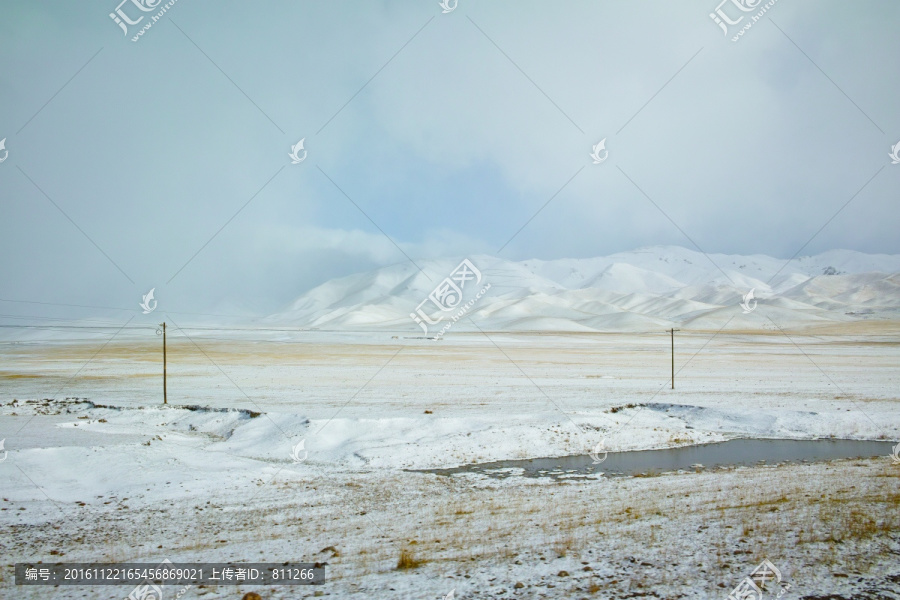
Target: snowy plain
x,y
119,477
97,469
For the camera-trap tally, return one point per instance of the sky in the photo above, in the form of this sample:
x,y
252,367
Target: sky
x,y
164,162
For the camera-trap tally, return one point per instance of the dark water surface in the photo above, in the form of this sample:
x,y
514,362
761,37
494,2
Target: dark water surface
x,y
743,452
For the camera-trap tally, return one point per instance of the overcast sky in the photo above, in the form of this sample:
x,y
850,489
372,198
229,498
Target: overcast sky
x,y
164,162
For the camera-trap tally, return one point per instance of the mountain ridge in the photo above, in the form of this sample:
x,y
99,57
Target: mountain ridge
x,y
645,288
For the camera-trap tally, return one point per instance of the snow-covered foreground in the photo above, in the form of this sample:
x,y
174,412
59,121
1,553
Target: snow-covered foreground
x,y
111,475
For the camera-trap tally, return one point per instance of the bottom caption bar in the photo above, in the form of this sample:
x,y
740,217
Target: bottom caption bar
x,y
169,573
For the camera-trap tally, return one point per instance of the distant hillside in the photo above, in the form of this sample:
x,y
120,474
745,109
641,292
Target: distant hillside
x,y
645,289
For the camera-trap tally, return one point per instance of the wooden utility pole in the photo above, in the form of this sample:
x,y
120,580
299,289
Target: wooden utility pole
x,y
165,398
671,331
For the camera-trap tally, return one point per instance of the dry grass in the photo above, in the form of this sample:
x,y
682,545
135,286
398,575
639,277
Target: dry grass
x,y
721,519
819,518
407,560
680,439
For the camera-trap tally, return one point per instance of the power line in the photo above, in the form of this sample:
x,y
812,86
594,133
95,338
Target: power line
x,y
74,327
60,304
174,312
40,318
406,333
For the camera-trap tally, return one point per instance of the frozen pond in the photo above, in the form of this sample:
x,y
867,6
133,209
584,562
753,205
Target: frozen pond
x,y
741,452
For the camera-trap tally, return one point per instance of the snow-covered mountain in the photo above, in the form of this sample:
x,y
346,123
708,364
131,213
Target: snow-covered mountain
x,y
645,289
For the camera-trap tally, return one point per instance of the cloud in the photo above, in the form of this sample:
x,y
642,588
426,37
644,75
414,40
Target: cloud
x,y
449,133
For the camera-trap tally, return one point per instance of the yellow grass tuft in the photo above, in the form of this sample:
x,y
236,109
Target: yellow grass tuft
x,y
407,560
